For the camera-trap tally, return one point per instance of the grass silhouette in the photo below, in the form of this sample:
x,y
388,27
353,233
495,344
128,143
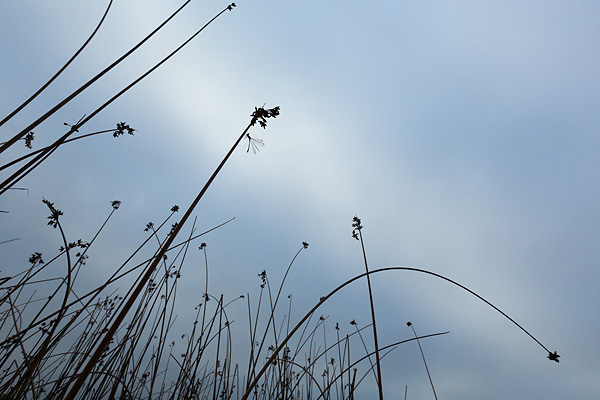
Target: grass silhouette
x,y
107,344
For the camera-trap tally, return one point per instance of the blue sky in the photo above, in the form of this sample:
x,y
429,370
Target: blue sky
x,y
465,135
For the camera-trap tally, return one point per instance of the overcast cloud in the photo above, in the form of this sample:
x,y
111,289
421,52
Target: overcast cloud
x,y
464,134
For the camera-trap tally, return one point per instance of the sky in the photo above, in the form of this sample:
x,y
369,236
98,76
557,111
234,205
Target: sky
x,y
464,134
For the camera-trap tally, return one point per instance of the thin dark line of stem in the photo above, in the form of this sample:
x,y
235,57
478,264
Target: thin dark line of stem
x,y
389,346
424,362
41,119
375,339
60,71
115,277
31,165
142,283
349,281
26,156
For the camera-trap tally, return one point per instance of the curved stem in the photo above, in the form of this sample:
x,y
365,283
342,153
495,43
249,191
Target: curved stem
x,y
343,285
389,346
26,156
424,362
93,293
307,372
60,71
31,165
142,283
45,346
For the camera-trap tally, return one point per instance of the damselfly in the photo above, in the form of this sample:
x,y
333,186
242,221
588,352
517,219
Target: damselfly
x,y
75,126
254,143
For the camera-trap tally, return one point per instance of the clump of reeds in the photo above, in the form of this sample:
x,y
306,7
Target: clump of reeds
x,y
58,340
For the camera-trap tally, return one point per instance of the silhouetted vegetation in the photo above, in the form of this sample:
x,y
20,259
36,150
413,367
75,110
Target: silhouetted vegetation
x,y
58,341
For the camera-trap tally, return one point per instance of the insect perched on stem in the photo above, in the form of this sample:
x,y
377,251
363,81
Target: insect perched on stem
x,y
75,126
254,143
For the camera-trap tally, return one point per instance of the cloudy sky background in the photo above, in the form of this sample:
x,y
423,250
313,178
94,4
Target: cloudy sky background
x,y
464,134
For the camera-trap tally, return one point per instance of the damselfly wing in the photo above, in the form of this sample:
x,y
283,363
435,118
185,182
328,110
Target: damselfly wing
x,y
254,144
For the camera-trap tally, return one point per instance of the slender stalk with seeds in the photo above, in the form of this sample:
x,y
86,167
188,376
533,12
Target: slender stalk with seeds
x,y
60,71
20,388
36,161
366,349
116,132
423,356
357,234
95,292
388,347
259,115
323,299
72,96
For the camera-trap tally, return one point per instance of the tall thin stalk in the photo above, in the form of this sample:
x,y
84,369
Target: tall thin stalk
x,y
57,107
357,234
121,127
388,347
423,356
32,164
308,315
36,360
259,115
60,71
